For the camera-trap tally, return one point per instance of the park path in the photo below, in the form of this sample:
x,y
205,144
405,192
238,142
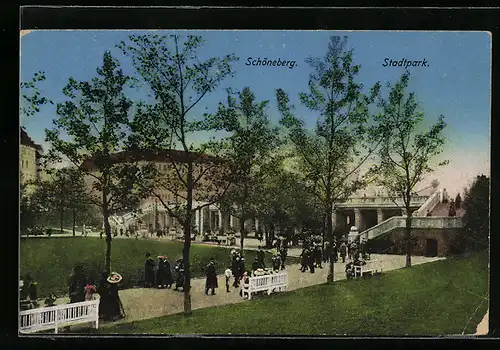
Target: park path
x,y
145,303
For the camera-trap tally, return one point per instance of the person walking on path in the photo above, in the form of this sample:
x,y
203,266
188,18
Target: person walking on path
x,y
303,260
311,260
260,256
149,271
211,273
343,251
228,273
283,253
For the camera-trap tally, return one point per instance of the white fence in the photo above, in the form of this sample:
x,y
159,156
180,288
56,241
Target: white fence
x,y
55,317
269,283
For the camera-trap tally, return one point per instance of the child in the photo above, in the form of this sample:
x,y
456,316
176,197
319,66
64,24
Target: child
x,y
90,290
228,274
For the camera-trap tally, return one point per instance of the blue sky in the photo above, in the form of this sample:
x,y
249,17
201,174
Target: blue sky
x,y
456,83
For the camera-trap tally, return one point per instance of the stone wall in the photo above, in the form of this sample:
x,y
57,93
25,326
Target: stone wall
x,y
444,238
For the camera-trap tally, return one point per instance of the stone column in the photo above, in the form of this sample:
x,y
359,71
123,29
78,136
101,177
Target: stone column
x,y
220,220
201,220
334,218
231,220
380,215
197,220
256,224
357,219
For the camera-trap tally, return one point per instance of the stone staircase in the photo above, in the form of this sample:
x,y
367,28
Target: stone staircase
x,y
424,217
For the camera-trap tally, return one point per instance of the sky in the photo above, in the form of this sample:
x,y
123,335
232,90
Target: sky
x,y
456,83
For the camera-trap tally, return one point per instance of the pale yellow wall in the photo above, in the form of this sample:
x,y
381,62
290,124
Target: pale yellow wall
x,y
27,165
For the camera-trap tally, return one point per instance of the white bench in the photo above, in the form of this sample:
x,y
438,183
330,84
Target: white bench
x,y
269,283
55,317
371,267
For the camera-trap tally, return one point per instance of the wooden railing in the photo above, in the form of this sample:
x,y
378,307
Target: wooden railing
x,y
55,317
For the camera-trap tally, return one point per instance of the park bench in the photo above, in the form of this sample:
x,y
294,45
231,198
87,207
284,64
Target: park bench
x,y
268,283
55,317
370,268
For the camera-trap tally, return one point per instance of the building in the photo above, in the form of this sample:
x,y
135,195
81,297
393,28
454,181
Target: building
x,y
375,215
29,160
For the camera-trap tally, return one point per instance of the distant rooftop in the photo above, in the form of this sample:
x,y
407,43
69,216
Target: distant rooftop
x,y
138,155
27,141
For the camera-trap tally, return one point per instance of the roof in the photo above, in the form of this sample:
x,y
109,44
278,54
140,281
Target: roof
x,y
27,141
138,155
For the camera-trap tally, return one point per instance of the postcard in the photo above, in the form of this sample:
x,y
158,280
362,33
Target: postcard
x,y
261,182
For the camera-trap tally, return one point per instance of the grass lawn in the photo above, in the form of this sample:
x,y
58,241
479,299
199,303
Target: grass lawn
x,y
430,299
50,260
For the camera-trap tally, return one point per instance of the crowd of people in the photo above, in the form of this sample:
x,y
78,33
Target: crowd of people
x,y
160,275
314,254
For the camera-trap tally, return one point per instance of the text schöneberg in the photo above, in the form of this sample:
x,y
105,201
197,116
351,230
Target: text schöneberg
x,y
269,63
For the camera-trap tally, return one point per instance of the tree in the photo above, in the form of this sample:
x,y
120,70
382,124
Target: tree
x,y
31,98
170,68
249,151
66,192
406,155
477,214
332,156
95,119
458,201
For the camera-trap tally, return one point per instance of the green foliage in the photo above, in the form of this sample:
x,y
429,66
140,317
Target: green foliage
x,y
248,153
170,68
405,155
475,235
92,126
344,136
367,307
31,99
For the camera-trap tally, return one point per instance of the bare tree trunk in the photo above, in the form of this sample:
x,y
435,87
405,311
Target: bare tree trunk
x,y
61,223
242,231
329,233
408,238
107,228
74,220
187,241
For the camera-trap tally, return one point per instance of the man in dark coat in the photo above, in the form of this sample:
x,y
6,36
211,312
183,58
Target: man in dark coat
x,y
240,270
168,279
334,251
211,273
77,284
160,273
260,256
149,271
283,253
311,259
235,269
317,256
303,260
179,268
343,251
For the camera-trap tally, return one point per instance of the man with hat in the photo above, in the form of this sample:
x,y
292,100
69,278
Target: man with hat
x,y
256,264
211,273
179,268
149,271
343,251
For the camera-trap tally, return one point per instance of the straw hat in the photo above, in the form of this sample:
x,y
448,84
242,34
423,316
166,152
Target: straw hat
x,y
114,277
